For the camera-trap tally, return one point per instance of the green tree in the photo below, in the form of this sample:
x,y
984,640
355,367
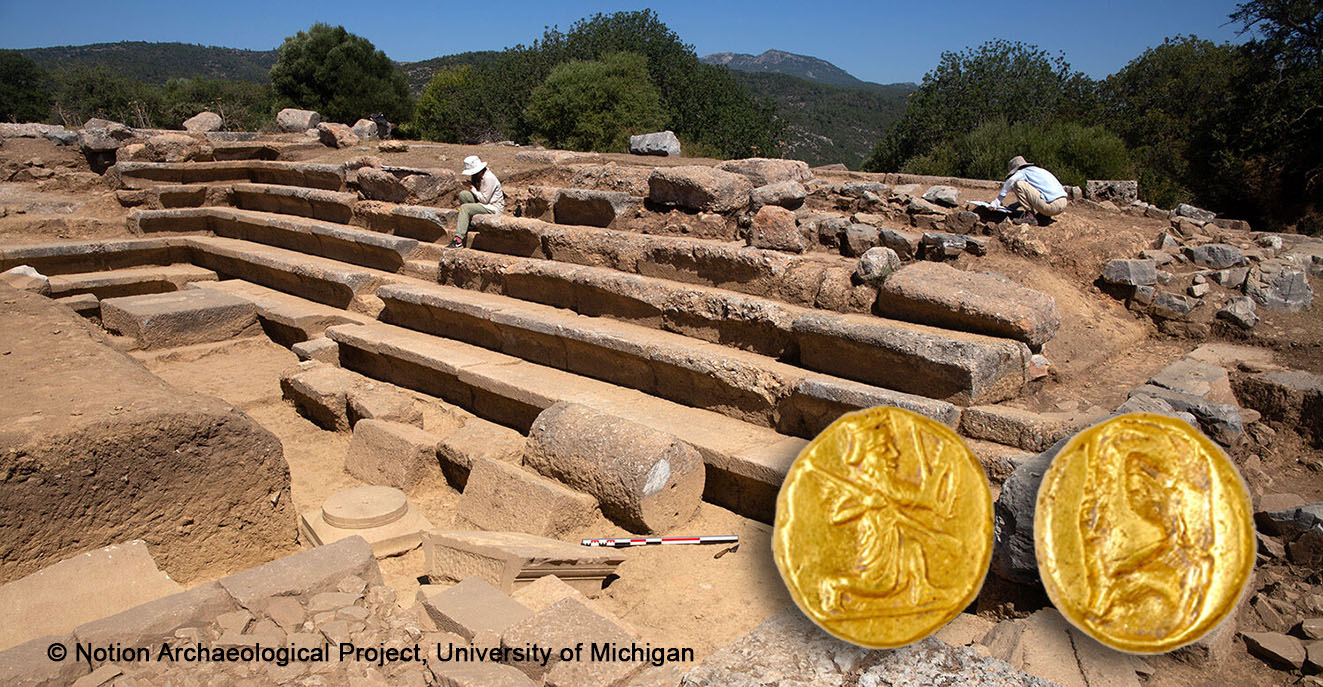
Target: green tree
x,y
25,94
997,80
1274,170
85,92
242,105
1169,105
340,75
595,105
454,108
704,104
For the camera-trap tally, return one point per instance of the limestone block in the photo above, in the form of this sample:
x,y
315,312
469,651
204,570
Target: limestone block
x,y
180,318
471,607
509,560
380,515
391,453
499,496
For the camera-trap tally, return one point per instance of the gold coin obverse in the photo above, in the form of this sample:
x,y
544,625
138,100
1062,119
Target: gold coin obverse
x,y
883,527
1144,533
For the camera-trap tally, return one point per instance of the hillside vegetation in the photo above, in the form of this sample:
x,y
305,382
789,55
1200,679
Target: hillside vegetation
x,y
157,63
825,123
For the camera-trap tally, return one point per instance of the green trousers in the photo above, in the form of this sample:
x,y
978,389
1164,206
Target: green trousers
x,y
469,206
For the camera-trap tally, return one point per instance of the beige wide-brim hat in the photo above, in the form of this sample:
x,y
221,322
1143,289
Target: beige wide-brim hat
x,y
1016,163
472,165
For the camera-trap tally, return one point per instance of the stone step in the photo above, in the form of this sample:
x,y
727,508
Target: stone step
x,y
314,237
427,224
316,279
70,257
145,174
817,280
747,386
130,281
745,463
957,367
245,150
315,203
286,319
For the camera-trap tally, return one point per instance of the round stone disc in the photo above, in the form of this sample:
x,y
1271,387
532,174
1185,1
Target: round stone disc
x,y
363,507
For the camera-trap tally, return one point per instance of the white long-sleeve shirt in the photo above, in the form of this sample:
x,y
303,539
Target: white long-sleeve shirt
x,y
1037,177
489,192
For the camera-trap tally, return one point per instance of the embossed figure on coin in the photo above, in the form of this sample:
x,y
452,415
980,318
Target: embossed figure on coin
x,y
897,497
1144,533
1147,526
883,527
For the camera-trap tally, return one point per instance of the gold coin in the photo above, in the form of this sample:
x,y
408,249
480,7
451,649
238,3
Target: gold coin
x,y
1144,533
883,527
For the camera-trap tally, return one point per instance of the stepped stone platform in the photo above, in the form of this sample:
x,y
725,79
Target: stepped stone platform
x,y
146,174
96,256
746,464
129,281
382,516
954,366
110,452
315,237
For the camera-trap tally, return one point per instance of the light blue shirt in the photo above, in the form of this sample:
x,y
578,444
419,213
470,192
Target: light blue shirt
x,y
1037,177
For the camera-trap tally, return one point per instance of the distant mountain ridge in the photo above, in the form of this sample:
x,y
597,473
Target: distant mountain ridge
x,y
781,62
157,63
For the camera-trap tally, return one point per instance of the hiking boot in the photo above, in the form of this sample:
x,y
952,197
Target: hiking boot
x,y
456,242
1043,220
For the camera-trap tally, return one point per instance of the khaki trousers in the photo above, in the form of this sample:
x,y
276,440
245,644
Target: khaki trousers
x,y
1032,199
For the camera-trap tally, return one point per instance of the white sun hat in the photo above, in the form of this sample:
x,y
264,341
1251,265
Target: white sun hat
x,y
472,165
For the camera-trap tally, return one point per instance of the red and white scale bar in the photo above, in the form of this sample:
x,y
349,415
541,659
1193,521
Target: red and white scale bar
x,y
623,542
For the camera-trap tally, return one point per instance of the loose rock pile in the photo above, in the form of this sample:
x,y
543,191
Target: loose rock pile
x,y
1199,272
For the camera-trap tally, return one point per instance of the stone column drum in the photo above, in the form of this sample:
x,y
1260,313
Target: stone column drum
x,y
644,479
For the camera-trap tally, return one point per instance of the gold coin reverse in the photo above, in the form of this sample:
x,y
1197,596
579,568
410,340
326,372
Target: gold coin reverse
x,y
1144,533
883,527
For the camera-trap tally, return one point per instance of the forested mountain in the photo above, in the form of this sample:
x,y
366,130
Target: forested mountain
x,y
156,63
781,62
825,123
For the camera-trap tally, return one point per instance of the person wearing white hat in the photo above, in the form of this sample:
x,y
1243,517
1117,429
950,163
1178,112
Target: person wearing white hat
x,y
1033,188
483,197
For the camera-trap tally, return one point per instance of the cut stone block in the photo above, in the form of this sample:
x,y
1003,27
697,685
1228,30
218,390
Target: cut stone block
x,y
1014,427
959,368
471,607
939,294
466,674
130,281
320,349
509,560
549,590
321,393
85,304
380,515
499,496
29,664
479,439
567,623
697,188
304,574
383,402
646,480
180,318
391,454
86,587
592,208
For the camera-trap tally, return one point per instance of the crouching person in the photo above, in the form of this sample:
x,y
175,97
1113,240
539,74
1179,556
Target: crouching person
x,y
1033,191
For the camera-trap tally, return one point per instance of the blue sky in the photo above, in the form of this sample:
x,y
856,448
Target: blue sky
x,y
876,41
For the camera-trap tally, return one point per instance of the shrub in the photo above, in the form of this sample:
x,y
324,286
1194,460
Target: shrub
x,y
595,105
1072,152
